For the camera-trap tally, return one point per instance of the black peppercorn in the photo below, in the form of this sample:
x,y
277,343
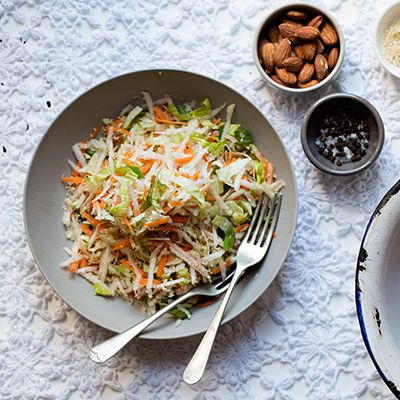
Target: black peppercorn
x,y
343,138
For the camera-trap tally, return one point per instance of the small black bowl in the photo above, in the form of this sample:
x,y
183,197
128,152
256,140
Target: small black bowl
x,y
324,108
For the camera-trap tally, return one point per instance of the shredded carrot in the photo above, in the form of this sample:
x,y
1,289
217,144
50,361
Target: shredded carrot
x,y
240,228
75,173
211,139
83,263
270,173
160,114
126,264
113,179
215,270
216,121
207,303
143,282
188,150
86,230
95,132
117,122
89,218
232,160
74,266
179,219
196,175
183,160
158,222
167,121
175,203
146,167
187,246
128,161
128,224
161,265
128,154
125,131
120,245
228,262
76,180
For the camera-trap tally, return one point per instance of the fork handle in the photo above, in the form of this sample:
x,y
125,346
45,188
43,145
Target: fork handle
x,y
195,369
104,351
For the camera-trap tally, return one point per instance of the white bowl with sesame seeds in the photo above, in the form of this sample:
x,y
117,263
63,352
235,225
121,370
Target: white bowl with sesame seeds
x,y
386,39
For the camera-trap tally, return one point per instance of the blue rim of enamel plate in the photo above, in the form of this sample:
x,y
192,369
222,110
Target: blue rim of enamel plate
x,y
358,293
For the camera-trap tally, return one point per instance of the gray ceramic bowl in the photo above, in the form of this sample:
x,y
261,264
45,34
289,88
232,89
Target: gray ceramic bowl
x,y
44,195
323,108
280,12
377,288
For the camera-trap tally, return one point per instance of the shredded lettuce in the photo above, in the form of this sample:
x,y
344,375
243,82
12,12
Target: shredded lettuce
x,y
259,170
200,112
190,187
237,214
131,116
129,171
102,289
122,208
221,222
243,137
229,239
178,314
227,174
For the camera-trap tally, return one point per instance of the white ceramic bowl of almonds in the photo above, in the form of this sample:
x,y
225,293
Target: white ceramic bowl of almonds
x,y
299,48
387,39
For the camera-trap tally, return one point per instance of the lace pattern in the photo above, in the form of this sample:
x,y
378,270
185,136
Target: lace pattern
x,y
300,340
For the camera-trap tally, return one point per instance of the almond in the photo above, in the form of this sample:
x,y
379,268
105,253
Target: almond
x,y
333,57
285,76
305,51
288,30
267,51
282,51
307,33
321,67
296,15
273,33
306,73
308,84
316,21
320,46
277,80
292,64
295,24
328,35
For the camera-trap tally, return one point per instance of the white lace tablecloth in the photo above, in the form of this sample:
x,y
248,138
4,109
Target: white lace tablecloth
x,y
301,339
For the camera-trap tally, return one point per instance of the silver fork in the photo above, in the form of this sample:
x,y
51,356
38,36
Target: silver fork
x,y
104,351
253,248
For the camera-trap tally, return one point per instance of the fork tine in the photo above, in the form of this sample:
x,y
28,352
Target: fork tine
x,y
275,210
260,223
254,219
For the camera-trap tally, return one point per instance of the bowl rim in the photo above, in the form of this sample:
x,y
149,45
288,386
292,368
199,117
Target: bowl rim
x,y
146,335
332,75
395,71
304,134
359,294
